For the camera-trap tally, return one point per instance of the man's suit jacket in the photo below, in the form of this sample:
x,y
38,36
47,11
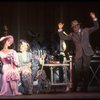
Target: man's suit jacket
x,y
83,44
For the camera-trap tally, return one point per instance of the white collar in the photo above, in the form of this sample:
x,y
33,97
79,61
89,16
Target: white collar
x,y
79,30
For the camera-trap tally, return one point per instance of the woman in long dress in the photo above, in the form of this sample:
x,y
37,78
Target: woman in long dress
x,y
10,75
25,66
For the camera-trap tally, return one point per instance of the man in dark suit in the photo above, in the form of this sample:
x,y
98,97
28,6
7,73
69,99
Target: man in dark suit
x,y
83,50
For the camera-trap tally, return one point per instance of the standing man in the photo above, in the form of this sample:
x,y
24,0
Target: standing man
x,y
83,50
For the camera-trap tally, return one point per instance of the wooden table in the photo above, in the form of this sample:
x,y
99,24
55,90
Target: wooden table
x,y
68,64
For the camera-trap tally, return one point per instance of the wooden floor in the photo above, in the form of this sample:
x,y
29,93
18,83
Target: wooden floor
x,y
57,96
94,93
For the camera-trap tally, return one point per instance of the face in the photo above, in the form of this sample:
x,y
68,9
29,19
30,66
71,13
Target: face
x,y
76,28
60,25
8,43
23,47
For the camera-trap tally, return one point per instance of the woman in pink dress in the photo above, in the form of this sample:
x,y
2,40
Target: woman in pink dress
x,y
10,75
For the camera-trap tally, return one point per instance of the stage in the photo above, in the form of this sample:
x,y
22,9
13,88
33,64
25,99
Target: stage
x,y
93,93
57,96
58,91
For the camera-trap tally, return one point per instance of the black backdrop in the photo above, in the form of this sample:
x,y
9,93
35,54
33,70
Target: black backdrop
x,y
42,18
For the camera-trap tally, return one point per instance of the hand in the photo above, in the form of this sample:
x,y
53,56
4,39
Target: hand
x,y
43,56
29,64
92,15
36,57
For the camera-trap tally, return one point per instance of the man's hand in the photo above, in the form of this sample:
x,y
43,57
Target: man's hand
x,y
92,15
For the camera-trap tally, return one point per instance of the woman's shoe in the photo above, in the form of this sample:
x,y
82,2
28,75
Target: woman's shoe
x,y
17,94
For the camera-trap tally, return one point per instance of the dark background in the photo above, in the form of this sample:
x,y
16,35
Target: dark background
x,y
42,18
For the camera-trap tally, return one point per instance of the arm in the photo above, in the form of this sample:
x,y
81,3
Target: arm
x,y
95,21
63,35
16,61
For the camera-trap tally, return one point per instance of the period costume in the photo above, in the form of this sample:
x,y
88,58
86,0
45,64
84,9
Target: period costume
x,y
10,75
25,69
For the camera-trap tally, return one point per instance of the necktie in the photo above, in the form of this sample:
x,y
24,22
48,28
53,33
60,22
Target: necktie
x,y
79,34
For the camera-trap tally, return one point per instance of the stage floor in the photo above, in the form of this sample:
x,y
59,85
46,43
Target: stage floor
x,y
93,93
56,96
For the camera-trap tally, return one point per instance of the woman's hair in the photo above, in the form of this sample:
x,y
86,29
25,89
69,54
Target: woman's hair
x,y
20,43
3,40
2,43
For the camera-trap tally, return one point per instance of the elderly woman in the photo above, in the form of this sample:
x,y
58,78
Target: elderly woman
x,y
25,66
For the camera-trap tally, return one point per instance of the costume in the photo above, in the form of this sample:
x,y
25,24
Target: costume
x,y
25,69
83,52
10,75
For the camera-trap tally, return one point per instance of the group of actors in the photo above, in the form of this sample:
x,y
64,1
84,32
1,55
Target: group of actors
x,y
20,67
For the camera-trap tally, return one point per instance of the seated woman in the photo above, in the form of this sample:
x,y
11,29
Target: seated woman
x,y
10,75
25,66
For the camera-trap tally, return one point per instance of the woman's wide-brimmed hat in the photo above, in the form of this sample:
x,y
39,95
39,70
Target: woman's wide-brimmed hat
x,y
9,37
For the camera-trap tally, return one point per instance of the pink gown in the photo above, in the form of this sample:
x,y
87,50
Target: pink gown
x,y
10,77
